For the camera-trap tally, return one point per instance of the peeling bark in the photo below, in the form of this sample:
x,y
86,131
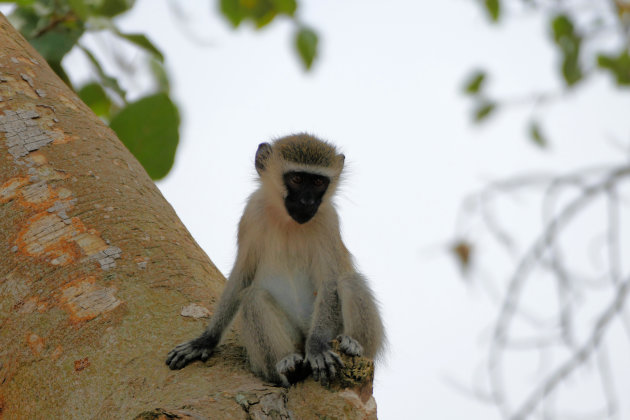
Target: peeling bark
x,y
99,279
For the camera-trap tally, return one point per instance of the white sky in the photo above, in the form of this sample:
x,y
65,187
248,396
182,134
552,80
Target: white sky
x,y
386,89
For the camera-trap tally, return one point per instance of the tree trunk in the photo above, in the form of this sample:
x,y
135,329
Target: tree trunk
x,y
99,278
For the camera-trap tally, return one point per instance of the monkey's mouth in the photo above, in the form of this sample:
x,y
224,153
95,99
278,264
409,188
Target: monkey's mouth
x,y
300,213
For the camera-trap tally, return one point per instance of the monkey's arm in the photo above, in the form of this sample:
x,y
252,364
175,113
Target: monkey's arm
x,y
202,346
324,327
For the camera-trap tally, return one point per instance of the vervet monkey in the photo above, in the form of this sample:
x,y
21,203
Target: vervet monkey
x,y
294,280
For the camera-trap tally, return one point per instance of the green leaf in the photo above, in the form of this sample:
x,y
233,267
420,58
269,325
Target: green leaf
x,y
111,8
232,11
569,44
150,130
54,44
80,8
160,76
619,66
536,135
259,12
287,7
143,42
493,7
106,80
19,2
26,21
57,68
483,110
306,43
475,82
95,97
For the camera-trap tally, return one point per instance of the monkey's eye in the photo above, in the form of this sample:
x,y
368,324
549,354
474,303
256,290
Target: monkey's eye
x,y
296,179
318,182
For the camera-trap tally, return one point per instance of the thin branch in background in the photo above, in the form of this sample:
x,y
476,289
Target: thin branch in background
x,y
606,378
592,185
614,247
581,355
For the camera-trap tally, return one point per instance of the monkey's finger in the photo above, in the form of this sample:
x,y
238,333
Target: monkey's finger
x,y
316,367
177,362
184,358
330,365
171,355
336,358
323,376
284,381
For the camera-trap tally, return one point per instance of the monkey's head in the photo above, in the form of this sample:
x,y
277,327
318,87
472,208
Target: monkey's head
x,y
302,171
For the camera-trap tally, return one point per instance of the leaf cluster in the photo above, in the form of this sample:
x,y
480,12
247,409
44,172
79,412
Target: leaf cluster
x,y
262,12
570,28
149,127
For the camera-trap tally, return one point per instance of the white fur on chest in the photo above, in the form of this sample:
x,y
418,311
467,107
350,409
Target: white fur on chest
x,y
292,289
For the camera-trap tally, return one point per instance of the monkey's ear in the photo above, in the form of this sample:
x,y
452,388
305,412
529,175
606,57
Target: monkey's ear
x,y
262,155
341,158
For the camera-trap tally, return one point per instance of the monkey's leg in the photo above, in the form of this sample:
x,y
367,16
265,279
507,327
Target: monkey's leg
x,y
363,332
271,339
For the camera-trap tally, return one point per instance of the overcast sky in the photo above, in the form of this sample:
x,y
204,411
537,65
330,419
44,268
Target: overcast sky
x,y
385,89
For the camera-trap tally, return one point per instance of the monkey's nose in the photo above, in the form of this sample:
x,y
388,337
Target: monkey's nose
x,y
307,201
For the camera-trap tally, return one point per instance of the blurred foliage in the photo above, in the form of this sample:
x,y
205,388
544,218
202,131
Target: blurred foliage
x,y
306,44
536,134
576,31
149,127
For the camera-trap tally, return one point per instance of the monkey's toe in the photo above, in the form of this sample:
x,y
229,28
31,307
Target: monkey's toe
x,y
350,346
290,363
291,369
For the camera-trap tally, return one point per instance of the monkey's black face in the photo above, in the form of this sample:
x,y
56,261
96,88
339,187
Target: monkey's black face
x,y
305,194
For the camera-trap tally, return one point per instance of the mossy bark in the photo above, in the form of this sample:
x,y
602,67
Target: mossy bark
x,y
95,273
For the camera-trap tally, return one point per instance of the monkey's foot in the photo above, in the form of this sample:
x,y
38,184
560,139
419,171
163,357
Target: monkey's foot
x,y
349,345
290,369
186,352
323,365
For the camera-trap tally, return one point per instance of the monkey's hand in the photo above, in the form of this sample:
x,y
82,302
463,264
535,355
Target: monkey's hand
x,y
198,349
350,346
323,364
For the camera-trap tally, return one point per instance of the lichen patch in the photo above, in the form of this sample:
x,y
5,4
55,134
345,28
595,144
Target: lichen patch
x,y
38,194
81,364
10,189
56,353
47,236
23,133
50,234
195,311
84,300
37,158
35,343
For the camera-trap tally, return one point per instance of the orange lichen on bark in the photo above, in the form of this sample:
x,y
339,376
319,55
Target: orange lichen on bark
x,y
35,342
84,300
48,236
56,353
81,364
38,158
64,138
10,189
31,305
37,196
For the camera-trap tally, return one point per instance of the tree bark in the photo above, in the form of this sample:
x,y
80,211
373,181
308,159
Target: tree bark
x,y
99,278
